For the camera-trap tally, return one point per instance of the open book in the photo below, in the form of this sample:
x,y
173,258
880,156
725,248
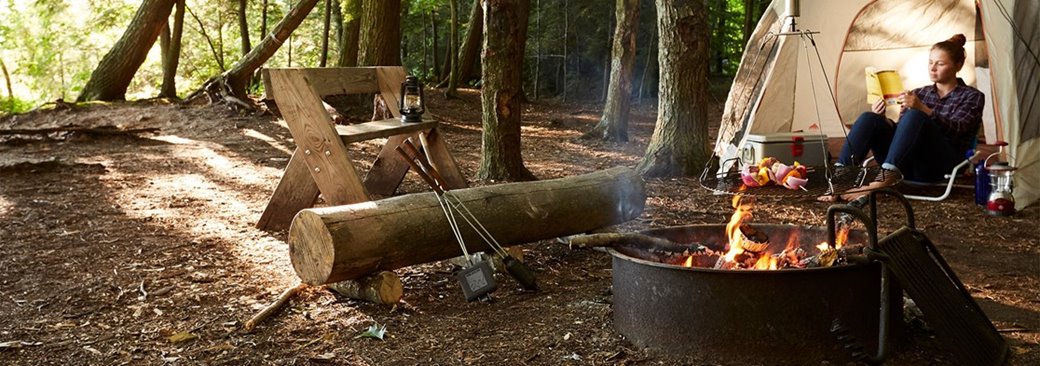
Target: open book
x,y
887,85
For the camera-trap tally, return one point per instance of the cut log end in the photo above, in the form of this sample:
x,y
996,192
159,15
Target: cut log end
x,y
313,262
380,288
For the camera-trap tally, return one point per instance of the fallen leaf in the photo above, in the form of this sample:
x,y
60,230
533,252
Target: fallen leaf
x,y
374,331
92,350
182,337
324,357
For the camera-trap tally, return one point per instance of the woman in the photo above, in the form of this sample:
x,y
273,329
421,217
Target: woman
x,y
937,125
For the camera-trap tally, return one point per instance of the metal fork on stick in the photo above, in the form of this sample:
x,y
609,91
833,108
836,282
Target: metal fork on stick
x,y
514,267
476,278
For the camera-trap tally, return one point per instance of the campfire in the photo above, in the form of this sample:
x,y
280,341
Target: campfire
x,y
748,248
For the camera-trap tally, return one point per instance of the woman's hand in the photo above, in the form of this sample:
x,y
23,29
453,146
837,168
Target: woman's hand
x,y
879,107
910,100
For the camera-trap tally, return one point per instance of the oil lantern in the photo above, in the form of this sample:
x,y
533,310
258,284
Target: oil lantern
x,y
412,100
1001,202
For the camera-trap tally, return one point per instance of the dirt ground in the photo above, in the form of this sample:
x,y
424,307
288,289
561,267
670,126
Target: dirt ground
x,y
114,248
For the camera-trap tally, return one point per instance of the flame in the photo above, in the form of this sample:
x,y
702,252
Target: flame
x,y
740,215
689,262
792,241
766,261
823,246
841,237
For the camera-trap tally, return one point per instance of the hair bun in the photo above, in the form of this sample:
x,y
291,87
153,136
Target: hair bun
x,y
958,39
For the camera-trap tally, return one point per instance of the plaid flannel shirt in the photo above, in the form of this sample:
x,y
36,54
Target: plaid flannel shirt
x,y
959,113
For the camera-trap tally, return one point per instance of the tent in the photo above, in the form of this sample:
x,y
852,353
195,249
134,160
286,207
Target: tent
x,y
816,83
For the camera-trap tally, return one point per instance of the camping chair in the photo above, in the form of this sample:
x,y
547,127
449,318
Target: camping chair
x,y
948,179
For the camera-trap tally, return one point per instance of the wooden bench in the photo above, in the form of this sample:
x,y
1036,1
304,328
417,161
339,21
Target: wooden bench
x,y
321,163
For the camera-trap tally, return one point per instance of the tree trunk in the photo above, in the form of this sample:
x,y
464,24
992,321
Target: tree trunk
x,y
231,85
679,145
750,19
505,33
331,244
263,20
379,42
172,52
613,125
325,30
470,54
115,71
453,50
243,26
436,46
348,53
719,34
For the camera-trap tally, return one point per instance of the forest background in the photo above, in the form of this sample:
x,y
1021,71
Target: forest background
x,y
48,48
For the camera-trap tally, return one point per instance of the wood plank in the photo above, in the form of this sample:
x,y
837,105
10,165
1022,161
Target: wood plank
x,y
265,75
333,80
377,129
380,129
388,169
295,191
390,79
326,156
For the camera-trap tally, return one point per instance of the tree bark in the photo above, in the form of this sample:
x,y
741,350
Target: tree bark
x,y
750,18
348,53
331,244
453,51
505,33
117,68
613,125
243,27
379,41
172,52
679,145
232,83
470,54
325,31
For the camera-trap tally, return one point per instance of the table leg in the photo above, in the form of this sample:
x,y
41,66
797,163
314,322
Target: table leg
x,y
296,191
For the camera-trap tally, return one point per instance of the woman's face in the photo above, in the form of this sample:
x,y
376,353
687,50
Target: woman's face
x,y
941,67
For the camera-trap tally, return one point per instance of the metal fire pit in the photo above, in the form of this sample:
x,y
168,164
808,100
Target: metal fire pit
x,y
758,317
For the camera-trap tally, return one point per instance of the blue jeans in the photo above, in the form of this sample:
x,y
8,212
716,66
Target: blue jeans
x,y
915,145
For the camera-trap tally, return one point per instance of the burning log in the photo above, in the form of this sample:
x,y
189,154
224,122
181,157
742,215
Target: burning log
x,y
752,240
331,244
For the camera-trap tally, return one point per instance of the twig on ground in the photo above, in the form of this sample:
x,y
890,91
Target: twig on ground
x,y
274,307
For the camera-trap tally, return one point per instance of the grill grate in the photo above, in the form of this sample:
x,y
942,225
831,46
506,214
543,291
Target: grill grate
x,y
842,178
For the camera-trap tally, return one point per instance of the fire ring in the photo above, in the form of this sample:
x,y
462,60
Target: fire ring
x,y
751,316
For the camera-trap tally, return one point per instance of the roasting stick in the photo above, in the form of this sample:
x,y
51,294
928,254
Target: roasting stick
x,y
516,269
438,192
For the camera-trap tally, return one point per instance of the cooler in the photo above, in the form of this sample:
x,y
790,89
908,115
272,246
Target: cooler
x,y
806,148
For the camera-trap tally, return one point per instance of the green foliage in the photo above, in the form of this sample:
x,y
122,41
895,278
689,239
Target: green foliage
x,y
13,106
51,46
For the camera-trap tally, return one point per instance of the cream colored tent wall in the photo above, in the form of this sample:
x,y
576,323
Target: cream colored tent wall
x,y
1009,74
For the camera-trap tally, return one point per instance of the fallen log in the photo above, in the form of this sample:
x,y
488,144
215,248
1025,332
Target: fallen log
x,y
331,244
381,288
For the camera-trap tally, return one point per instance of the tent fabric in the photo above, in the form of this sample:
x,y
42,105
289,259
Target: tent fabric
x,y
782,84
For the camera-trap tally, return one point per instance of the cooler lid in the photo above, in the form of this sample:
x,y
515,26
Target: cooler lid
x,y
785,137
